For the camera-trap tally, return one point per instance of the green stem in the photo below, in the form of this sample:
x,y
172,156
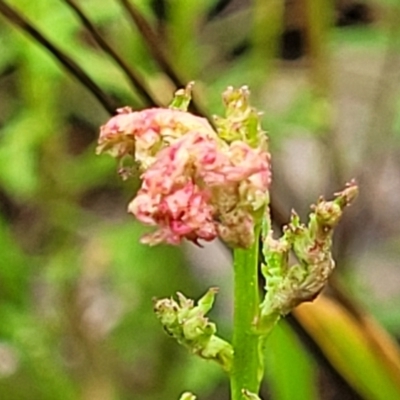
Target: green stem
x,y
246,367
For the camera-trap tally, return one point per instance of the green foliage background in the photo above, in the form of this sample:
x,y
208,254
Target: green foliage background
x,y
76,287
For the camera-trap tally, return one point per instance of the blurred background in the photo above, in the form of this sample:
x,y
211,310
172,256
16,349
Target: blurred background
x,y
76,287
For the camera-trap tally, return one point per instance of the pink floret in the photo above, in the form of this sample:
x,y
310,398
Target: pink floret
x,y
185,212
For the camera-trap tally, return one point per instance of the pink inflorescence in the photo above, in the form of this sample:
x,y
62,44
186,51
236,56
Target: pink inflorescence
x,y
194,185
142,134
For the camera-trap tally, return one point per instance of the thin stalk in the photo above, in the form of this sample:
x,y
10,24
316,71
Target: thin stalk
x,y
153,42
15,18
266,30
133,76
160,55
319,17
246,367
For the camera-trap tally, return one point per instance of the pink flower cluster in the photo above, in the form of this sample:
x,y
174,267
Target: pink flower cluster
x,y
143,134
194,185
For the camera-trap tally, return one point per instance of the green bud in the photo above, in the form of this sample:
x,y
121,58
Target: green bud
x,y
187,396
241,122
288,286
250,396
188,324
182,98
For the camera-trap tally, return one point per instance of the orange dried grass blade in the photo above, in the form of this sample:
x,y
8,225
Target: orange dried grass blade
x,y
357,346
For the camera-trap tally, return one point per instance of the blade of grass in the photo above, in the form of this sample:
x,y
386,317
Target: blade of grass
x,y
290,371
15,18
133,76
154,45
363,353
266,30
153,42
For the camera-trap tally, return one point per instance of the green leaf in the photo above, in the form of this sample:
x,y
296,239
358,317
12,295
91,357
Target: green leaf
x,y
290,371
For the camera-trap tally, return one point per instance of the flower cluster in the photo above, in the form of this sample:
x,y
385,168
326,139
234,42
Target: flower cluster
x,y
195,184
144,133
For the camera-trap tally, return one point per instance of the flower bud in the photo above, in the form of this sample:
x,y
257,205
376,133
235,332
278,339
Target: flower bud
x,y
188,324
288,286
